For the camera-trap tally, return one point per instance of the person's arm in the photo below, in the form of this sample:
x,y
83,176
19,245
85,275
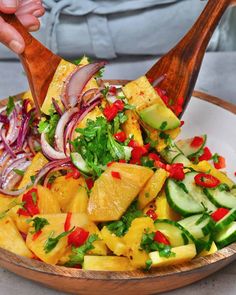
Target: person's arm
x,y
27,12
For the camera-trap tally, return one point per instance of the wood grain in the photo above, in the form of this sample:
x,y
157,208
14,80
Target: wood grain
x,y
181,64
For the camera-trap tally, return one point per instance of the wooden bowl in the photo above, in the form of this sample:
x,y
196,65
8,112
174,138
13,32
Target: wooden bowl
x,y
97,282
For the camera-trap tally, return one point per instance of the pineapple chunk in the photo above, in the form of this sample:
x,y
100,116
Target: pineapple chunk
x,y
182,254
212,250
141,94
131,127
28,95
96,112
37,163
11,239
79,202
107,263
206,167
64,69
114,243
163,210
133,239
65,190
152,188
47,201
5,203
110,197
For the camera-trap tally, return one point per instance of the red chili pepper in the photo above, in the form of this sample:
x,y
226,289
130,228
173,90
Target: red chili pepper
x,y
119,104
206,180
36,235
182,123
207,155
49,185
235,173
73,174
78,237
161,238
89,182
152,214
115,174
110,163
177,109
67,222
110,112
112,90
30,206
153,157
133,143
122,161
120,136
219,214
138,152
176,171
197,141
159,164
221,163
147,146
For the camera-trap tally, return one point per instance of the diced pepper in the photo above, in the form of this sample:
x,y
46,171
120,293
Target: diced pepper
x,y
161,238
133,143
78,237
138,152
68,221
30,200
219,214
36,235
110,163
176,171
112,90
153,157
197,141
152,214
110,112
182,123
207,155
206,180
73,174
89,182
119,104
120,136
221,163
115,174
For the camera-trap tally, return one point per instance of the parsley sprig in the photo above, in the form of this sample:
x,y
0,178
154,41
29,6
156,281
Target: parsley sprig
x,y
38,223
10,105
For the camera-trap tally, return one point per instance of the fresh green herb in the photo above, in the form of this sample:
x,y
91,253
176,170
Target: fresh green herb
x,y
120,227
153,143
148,264
223,187
105,91
100,73
34,197
10,105
129,107
10,206
77,256
182,186
215,158
149,245
52,242
163,125
145,161
38,223
166,137
32,178
19,172
78,60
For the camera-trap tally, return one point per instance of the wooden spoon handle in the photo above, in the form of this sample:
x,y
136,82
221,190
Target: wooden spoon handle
x,y
39,62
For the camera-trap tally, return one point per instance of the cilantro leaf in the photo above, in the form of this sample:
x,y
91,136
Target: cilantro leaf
x,y
19,172
38,223
148,264
215,158
77,256
10,206
163,125
10,105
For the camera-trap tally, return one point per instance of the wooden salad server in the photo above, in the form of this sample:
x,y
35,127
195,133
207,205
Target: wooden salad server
x,y
181,65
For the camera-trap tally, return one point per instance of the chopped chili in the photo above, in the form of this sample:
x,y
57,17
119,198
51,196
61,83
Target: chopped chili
x,y
197,141
30,200
78,237
153,157
89,182
110,112
36,235
119,104
68,221
207,155
176,171
152,214
206,180
161,238
115,174
120,136
221,163
219,214
73,174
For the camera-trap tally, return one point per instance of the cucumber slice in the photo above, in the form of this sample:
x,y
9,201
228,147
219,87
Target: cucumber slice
x,y
185,146
180,158
199,225
174,232
180,201
80,163
226,236
169,153
197,192
226,220
221,198
204,243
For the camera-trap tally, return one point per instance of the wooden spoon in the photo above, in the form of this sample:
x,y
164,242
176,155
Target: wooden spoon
x,y
181,64
39,63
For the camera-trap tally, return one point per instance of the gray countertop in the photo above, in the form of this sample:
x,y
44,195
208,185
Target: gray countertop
x,y
217,77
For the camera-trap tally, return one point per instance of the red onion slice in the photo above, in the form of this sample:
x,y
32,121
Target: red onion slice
x,y
14,125
75,83
49,151
9,193
6,145
57,107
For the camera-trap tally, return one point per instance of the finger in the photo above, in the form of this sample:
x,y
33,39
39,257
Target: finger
x,y
31,8
11,38
9,6
29,21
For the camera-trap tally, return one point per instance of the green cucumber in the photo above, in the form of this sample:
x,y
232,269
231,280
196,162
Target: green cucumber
x,y
221,198
226,220
174,232
197,192
204,243
80,163
226,236
199,225
180,201
169,153
185,146
180,158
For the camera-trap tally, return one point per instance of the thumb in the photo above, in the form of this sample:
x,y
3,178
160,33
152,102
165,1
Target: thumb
x,y
9,6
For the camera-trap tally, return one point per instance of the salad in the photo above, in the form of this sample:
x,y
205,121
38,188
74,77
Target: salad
x,y
97,182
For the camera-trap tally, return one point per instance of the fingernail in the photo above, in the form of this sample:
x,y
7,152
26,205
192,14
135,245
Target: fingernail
x,y
16,46
37,13
33,28
10,3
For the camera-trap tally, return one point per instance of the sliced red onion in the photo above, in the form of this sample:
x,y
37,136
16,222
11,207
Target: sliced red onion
x,y
75,83
49,151
57,107
14,193
3,119
6,145
96,97
159,80
24,127
49,166
59,133
32,142
14,125
53,170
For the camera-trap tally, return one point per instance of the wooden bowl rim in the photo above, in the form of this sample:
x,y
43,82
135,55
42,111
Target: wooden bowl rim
x,y
191,266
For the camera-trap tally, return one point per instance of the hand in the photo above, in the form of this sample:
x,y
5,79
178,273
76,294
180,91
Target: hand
x,y
27,12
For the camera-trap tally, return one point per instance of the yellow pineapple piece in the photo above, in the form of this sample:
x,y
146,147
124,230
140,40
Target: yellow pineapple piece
x,y
152,188
133,239
114,243
65,190
64,69
79,202
107,263
11,239
47,201
37,163
163,210
110,196
5,203
132,127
